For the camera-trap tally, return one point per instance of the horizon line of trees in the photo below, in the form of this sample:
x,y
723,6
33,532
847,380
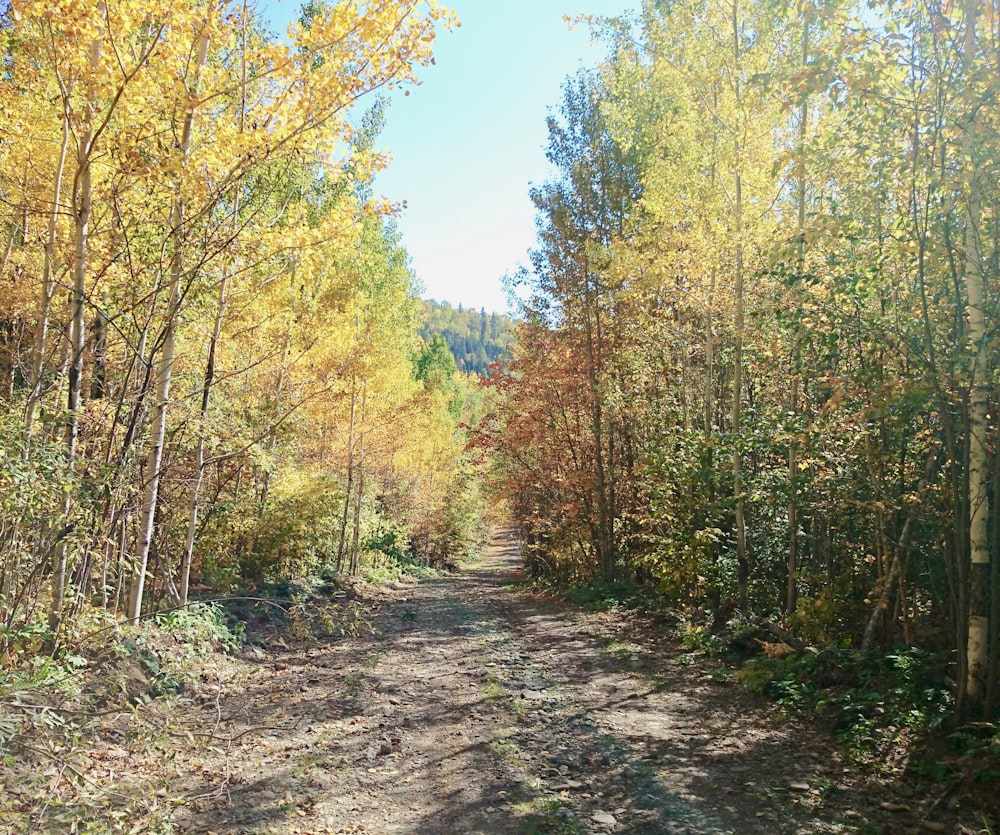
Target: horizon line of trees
x,y
476,339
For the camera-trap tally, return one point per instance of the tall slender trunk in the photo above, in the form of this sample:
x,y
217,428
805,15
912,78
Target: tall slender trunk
x,y
272,443
165,366
83,202
994,614
209,378
710,358
792,591
348,492
595,352
199,473
356,534
895,572
711,548
743,579
48,288
98,381
978,623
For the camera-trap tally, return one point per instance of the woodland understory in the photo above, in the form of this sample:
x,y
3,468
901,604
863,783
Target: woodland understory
x,y
235,392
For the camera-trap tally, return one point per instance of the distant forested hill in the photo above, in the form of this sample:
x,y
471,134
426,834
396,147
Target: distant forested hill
x,y
476,338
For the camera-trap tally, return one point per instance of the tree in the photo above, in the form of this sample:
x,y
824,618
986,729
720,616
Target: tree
x,y
802,287
178,167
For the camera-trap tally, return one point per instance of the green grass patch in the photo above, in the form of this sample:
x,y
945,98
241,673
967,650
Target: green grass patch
x,y
493,692
544,817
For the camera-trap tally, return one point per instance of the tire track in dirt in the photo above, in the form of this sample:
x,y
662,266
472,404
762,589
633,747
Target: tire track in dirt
x,y
477,709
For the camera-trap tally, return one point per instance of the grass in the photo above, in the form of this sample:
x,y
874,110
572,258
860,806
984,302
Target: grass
x,y
506,751
354,682
542,817
493,692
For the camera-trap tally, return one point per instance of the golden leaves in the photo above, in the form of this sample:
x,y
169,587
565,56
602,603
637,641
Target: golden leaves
x,y
262,108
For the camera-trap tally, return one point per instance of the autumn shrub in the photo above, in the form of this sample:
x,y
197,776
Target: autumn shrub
x,y
678,538
456,526
336,616
389,540
293,534
388,555
819,619
297,530
698,639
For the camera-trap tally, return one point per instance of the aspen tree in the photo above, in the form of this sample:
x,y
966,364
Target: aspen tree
x,y
165,366
82,207
979,392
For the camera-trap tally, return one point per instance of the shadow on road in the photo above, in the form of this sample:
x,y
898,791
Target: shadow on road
x,y
476,709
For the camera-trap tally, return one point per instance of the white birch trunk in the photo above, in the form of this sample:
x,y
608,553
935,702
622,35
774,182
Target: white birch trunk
x,y
83,200
48,288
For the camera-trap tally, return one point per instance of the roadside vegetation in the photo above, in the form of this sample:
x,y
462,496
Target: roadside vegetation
x,y
754,381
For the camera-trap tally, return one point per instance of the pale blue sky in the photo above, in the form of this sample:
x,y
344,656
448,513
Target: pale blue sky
x,y
468,142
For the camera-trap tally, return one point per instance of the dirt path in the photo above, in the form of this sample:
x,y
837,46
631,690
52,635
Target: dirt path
x,y
473,709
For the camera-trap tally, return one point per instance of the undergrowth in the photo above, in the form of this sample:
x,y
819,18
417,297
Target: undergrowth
x,y
116,687
202,626
547,817
603,596
868,699
63,715
872,702
381,568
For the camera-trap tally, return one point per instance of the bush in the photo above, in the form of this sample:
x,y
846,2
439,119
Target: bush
x,y
204,626
859,694
35,482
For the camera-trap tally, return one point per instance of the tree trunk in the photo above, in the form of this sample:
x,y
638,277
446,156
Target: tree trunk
x,y
710,360
209,378
743,580
83,201
896,568
994,648
48,288
98,382
199,474
595,350
348,492
978,618
165,366
792,591
356,534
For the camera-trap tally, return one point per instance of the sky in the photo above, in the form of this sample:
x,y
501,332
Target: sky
x,y
469,141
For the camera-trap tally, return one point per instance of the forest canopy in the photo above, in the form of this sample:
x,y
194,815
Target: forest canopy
x,y
475,338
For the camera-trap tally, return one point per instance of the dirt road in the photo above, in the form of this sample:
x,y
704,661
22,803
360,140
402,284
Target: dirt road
x,y
476,709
